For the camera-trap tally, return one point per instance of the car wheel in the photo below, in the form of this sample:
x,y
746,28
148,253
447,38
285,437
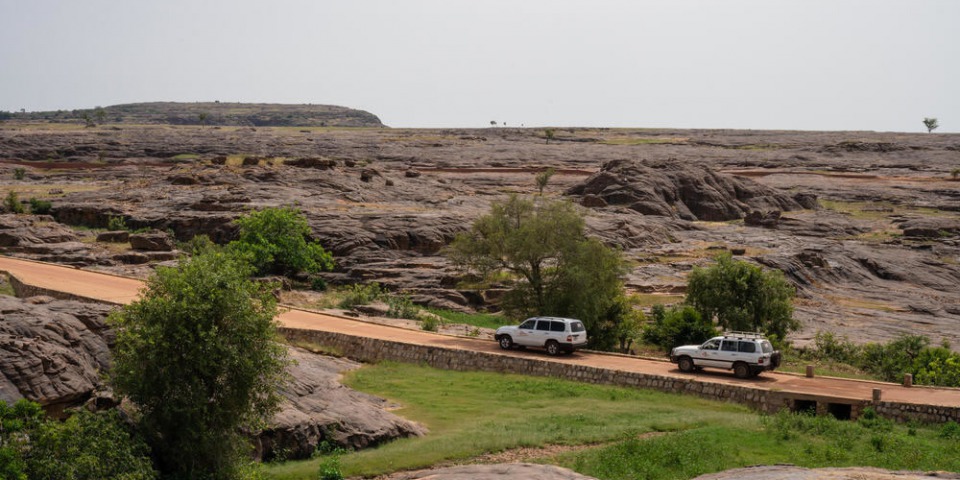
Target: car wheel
x,y
553,348
686,364
506,342
741,370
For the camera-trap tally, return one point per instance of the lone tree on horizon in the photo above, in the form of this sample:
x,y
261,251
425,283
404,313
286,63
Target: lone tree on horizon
x,y
931,124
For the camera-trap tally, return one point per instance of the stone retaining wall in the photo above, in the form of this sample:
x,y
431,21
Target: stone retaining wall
x,y
374,350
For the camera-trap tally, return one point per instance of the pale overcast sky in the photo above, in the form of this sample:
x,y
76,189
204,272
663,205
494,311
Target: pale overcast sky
x,y
765,64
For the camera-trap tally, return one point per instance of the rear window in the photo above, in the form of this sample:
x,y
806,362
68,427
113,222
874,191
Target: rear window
x,y
543,325
576,327
767,348
748,347
556,327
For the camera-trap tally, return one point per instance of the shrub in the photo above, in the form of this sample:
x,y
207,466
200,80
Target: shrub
x,y
20,172
955,173
950,429
361,294
402,307
430,323
318,284
115,223
40,207
330,469
12,203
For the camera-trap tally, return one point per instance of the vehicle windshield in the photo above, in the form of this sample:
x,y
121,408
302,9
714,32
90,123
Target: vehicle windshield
x,y
767,348
576,327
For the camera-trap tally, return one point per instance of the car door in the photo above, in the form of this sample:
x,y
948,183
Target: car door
x,y
729,353
542,333
708,354
526,333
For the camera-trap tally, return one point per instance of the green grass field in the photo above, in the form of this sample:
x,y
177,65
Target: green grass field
x,y
474,413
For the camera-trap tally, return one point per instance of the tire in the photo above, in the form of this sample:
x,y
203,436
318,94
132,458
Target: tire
x,y
505,342
741,370
686,364
553,348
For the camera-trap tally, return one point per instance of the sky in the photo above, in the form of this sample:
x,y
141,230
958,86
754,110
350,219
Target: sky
x,y
760,64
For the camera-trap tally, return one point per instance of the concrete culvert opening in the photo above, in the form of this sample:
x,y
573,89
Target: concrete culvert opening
x,y
805,406
840,411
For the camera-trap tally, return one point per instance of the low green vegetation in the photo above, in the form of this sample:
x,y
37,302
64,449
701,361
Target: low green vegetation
x,y
40,207
87,446
632,433
11,203
277,241
889,361
677,325
19,173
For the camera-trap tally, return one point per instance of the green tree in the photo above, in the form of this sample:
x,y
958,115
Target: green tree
x,y
12,202
549,133
931,124
198,355
677,325
555,268
742,296
543,178
16,423
277,240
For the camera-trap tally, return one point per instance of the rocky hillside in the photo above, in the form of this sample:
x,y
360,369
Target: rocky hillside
x,y
210,113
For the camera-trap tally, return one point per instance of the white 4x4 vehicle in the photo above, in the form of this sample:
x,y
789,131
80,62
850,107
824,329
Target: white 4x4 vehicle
x,y
553,333
747,354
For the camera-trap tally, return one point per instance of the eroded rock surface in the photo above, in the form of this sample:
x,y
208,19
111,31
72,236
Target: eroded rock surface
x,y
789,472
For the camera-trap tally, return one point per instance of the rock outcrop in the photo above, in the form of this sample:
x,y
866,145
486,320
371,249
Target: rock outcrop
x,y
679,190
501,471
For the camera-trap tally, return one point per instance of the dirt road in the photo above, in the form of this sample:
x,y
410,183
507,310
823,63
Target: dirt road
x,y
120,290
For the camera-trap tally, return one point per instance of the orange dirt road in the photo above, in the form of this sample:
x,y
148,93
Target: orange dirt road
x,y
113,289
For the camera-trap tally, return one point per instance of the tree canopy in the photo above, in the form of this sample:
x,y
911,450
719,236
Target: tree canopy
x,y
198,356
277,240
554,268
931,124
743,296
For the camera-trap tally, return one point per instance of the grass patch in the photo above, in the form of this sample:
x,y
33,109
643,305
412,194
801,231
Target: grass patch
x,y
651,299
186,156
6,288
472,413
482,320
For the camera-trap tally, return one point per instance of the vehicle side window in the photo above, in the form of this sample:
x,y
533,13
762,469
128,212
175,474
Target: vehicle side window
x,y
528,325
544,325
766,346
729,346
557,326
576,327
748,347
711,345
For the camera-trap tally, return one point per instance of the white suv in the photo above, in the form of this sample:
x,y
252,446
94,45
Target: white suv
x,y
747,354
553,333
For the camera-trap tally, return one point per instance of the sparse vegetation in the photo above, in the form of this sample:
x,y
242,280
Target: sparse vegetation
x,y
482,320
400,306
19,173
955,173
361,294
116,223
543,178
677,325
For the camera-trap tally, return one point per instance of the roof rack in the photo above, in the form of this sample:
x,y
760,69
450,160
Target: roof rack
x,y
743,334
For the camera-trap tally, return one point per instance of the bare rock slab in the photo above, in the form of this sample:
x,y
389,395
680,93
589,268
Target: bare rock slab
x,y
784,472
502,471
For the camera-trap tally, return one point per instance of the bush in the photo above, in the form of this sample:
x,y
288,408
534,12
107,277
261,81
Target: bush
x,y
430,323
677,325
318,284
19,173
402,307
40,207
12,203
277,240
361,294
116,223
330,469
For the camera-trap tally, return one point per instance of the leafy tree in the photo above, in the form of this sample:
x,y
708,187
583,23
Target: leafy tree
x,y
277,240
742,296
16,423
12,202
198,354
557,270
543,178
677,325
549,133
931,124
